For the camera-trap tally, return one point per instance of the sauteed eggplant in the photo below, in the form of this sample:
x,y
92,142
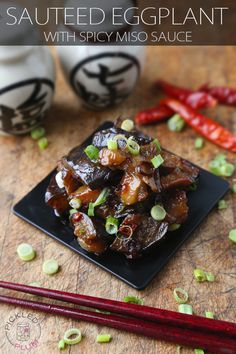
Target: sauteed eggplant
x,y
123,192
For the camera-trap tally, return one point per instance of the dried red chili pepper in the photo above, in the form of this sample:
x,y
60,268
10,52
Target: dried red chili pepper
x,y
225,95
153,115
195,99
205,126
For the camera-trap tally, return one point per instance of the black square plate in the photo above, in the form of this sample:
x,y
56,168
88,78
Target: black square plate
x,y
138,273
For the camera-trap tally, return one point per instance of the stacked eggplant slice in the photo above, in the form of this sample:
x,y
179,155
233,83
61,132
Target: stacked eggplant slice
x,y
123,192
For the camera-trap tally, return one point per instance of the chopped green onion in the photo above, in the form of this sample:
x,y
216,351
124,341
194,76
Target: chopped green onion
x,y
35,283
210,277
232,235
103,338
158,145
75,203
61,344
127,125
37,133
133,300
111,225
202,276
193,187
174,227
199,142
43,143
50,267
73,211
220,167
157,161
209,314
176,123
26,252
120,137
199,275
104,312
92,152
72,332
100,200
112,145
158,212
234,188
199,351
180,295
222,204
132,146
185,308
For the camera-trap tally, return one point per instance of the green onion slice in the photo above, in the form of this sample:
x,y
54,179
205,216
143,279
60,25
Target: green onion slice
x,y
127,125
158,212
100,200
176,123
112,225
222,204
157,161
185,308
158,145
43,143
73,211
92,152
50,267
199,351
180,295
37,133
199,275
220,167
209,314
26,252
77,336
61,344
232,235
199,142
210,277
112,145
133,300
120,137
75,203
132,146
174,227
103,338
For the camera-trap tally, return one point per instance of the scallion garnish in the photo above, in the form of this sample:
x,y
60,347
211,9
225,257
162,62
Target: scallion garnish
x,y
174,227
75,333
103,338
158,145
157,161
199,351
232,235
92,152
61,344
199,142
158,212
222,204
209,314
73,211
26,252
201,276
127,125
176,123
112,145
111,225
132,146
50,267
134,300
100,200
180,295
75,203
220,167
43,143
185,308
37,133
